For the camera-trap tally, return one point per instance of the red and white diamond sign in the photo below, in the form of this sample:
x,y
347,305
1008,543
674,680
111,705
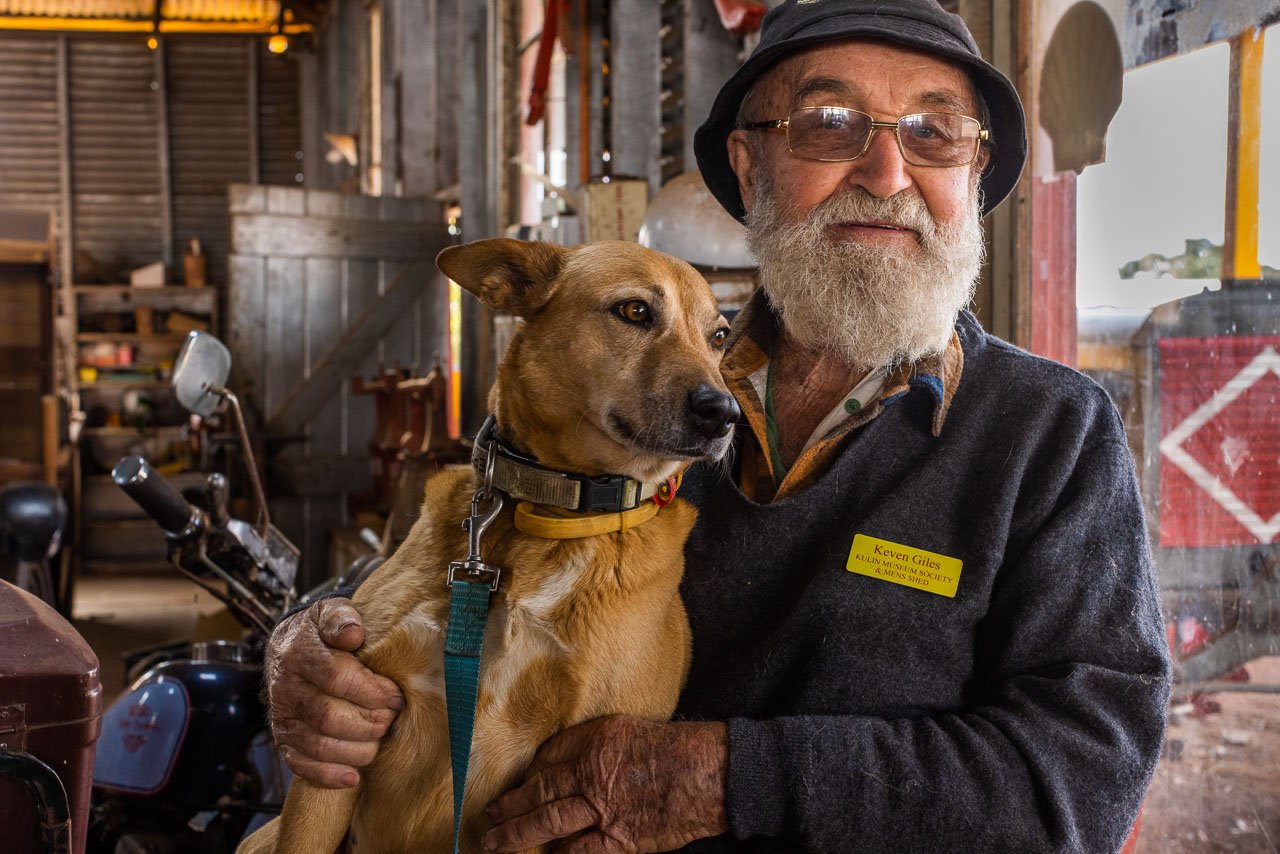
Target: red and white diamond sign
x,y
1220,455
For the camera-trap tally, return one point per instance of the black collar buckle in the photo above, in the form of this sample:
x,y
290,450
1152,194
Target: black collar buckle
x,y
603,494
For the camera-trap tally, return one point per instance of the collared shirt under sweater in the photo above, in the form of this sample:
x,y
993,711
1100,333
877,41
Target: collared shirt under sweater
x,y
1024,713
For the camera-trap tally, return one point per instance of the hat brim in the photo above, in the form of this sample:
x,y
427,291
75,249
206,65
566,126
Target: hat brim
x,y
1008,125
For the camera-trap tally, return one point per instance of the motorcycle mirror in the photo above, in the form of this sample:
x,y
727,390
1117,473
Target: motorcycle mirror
x,y
200,373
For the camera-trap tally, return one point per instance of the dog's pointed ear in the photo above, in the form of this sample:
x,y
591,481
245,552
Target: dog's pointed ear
x,y
513,276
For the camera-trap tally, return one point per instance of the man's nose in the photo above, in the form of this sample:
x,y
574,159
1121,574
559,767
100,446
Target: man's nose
x,y
880,170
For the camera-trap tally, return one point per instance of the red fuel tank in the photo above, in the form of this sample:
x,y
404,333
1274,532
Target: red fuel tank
x,y
51,708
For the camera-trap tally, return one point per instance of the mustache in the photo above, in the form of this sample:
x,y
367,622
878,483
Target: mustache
x,y
905,209
875,305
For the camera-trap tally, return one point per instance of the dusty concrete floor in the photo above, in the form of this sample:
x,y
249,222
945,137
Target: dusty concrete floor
x,y
116,613
1217,789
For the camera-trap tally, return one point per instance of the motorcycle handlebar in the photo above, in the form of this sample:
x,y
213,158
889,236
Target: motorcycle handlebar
x,y
153,494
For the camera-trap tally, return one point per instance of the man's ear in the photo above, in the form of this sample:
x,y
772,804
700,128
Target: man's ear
x,y
512,276
742,153
983,160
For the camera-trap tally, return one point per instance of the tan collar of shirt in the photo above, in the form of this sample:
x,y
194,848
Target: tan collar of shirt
x,y
747,352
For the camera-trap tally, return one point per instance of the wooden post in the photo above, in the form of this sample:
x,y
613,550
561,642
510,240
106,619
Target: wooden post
x,y
1244,132
478,168
584,92
50,433
165,166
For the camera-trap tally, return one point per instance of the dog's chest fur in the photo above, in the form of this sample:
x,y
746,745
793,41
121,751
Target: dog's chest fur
x,y
578,629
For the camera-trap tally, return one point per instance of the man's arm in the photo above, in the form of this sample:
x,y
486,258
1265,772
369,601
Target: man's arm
x,y
1053,752
328,711
1059,735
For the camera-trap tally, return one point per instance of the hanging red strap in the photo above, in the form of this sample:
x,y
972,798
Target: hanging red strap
x,y
741,16
542,66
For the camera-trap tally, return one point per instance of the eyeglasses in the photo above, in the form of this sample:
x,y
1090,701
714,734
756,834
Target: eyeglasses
x,y
834,134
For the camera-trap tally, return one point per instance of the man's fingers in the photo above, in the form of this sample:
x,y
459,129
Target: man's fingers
x,y
547,822
336,751
347,721
567,744
555,750
345,676
551,784
339,623
312,648
326,775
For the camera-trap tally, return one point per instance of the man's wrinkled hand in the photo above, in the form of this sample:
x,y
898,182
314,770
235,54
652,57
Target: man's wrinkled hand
x,y
328,711
618,784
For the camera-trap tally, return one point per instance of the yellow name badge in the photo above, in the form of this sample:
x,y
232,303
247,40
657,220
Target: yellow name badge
x,y
901,564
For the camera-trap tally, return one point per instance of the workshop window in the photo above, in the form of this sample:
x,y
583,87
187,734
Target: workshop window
x,y
1178,295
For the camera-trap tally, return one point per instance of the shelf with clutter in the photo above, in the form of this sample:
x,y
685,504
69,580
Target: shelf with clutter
x,y
125,340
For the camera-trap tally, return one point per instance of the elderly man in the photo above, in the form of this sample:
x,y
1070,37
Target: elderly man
x,y
923,611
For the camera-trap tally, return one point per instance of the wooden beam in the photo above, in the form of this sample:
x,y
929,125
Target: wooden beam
x,y
636,96
354,347
277,235
165,165
477,165
1244,133
24,251
255,135
66,225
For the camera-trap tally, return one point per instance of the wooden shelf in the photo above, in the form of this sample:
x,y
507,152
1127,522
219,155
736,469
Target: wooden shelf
x,y
128,337
116,536
125,384
163,430
143,290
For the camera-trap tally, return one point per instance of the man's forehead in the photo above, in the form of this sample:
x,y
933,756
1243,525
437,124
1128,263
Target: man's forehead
x,y
857,70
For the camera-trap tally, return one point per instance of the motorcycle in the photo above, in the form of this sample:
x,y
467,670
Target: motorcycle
x,y
185,762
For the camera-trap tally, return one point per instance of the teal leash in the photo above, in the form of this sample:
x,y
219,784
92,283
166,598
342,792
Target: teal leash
x,y
471,582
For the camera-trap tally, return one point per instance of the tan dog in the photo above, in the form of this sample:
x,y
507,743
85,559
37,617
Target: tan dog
x,y
616,371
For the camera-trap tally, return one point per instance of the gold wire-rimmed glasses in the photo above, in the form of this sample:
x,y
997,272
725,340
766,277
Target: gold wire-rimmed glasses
x,y
837,134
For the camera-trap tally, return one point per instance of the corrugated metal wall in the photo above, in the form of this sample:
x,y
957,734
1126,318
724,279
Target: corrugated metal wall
x,y
211,139
279,120
153,140
114,115
29,140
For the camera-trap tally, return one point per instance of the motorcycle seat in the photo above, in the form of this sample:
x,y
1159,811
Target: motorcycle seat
x,y
32,519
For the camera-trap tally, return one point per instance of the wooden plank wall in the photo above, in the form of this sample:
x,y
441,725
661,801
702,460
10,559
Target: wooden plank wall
x,y
304,264
24,360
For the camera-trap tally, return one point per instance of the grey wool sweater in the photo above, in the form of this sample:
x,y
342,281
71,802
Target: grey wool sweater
x,y
1023,714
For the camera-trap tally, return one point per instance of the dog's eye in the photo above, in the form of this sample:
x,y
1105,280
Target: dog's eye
x,y
634,311
719,337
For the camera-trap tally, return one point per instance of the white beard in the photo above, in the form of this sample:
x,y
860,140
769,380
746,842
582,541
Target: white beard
x,y
875,306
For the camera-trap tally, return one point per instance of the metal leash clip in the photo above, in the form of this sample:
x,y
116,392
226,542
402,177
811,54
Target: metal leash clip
x,y
474,569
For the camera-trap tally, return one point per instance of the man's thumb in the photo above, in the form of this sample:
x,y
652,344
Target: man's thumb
x,y
339,624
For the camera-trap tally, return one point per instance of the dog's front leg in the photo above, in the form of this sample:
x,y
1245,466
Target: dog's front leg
x,y
314,821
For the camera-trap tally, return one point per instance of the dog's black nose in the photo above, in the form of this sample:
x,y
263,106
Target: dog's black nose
x,y
712,412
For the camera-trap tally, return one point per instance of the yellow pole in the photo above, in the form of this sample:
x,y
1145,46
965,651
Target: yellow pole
x,y
1244,132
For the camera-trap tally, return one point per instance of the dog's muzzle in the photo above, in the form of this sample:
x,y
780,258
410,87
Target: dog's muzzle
x,y
712,413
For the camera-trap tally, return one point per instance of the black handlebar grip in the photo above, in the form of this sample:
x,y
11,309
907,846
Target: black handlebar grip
x,y
153,494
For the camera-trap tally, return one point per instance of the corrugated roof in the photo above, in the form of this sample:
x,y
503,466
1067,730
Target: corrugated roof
x,y
172,10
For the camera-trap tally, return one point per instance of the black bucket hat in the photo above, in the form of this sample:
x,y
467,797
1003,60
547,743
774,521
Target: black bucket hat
x,y
920,24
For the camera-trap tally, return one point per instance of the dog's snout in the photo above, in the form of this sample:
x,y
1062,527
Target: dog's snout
x,y
712,412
